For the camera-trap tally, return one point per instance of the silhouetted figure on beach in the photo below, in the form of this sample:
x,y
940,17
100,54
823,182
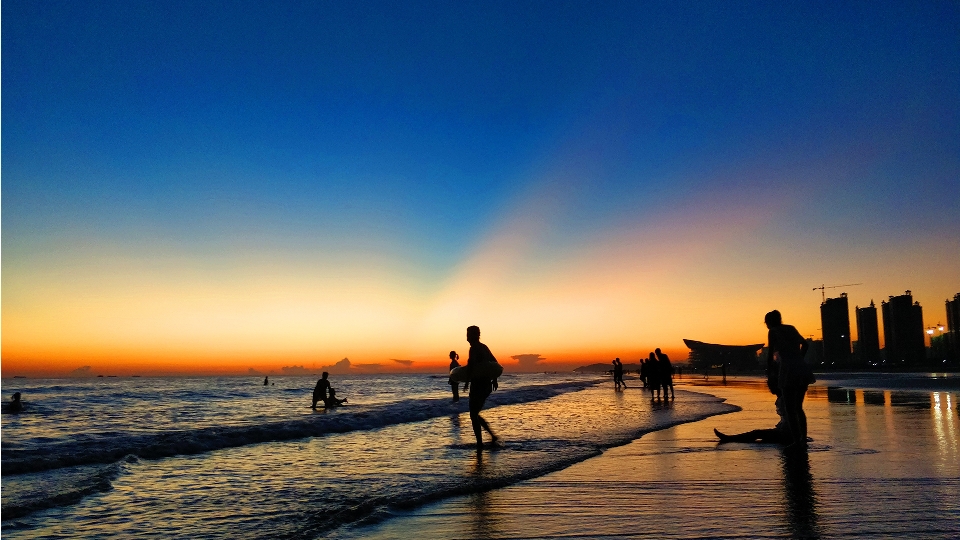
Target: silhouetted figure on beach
x,y
266,381
653,375
480,388
776,435
15,406
666,373
454,385
618,374
320,391
332,400
785,342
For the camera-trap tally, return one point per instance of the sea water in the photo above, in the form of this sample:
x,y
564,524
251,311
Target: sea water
x,y
884,462
226,457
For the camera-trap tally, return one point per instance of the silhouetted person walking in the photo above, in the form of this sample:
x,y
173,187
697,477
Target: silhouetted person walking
x,y
320,391
266,381
787,343
666,373
480,387
653,375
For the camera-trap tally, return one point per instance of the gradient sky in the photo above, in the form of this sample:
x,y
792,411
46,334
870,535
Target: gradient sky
x,y
214,187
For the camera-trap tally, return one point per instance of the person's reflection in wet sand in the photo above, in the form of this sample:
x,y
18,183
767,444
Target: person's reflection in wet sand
x,y
455,426
799,495
484,521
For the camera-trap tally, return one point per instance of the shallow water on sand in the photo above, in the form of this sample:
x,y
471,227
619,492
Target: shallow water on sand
x,y
883,464
369,462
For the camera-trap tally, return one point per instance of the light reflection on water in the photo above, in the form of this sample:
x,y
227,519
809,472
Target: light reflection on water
x,y
881,465
301,488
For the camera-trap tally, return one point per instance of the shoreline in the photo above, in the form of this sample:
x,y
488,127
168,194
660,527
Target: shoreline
x,y
901,453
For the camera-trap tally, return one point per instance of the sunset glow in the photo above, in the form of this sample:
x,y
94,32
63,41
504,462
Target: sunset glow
x,y
314,196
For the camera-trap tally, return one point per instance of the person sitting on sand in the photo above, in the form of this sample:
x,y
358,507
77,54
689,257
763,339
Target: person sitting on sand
x,y
480,388
777,435
666,373
320,391
15,406
332,401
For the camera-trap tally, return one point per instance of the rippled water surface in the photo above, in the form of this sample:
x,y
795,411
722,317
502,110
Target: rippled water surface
x,y
279,469
883,464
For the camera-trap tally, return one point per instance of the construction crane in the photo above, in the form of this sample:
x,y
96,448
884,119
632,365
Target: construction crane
x,y
823,288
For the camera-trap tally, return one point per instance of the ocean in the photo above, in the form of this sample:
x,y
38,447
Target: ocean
x,y
226,457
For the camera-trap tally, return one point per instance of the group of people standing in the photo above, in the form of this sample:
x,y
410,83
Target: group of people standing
x,y
656,373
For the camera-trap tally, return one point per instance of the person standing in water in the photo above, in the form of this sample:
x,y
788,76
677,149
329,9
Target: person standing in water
x,y
454,385
786,342
666,373
320,391
653,376
480,388
618,374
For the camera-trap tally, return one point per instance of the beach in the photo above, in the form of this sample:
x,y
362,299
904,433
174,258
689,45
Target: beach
x,y
882,464
230,458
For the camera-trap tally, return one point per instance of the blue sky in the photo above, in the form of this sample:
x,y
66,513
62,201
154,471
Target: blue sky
x,y
412,136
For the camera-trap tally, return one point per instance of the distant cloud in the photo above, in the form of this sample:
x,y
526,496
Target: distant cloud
x,y
254,372
342,367
85,371
406,363
366,367
296,370
528,361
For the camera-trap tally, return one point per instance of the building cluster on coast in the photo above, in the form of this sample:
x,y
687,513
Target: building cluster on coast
x,y
904,335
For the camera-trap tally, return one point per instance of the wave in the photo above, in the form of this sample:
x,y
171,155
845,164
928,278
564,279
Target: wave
x,y
26,494
517,461
114,447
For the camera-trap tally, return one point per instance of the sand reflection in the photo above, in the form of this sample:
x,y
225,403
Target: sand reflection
x,y
799,496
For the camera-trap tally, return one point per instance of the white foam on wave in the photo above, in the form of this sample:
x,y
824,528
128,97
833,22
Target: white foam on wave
x,y
108,448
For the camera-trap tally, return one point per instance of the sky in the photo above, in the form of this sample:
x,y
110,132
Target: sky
x,y
233,187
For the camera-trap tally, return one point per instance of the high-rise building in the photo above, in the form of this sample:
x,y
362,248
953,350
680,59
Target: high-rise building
x,y
868,336
903,331
953,328
835,321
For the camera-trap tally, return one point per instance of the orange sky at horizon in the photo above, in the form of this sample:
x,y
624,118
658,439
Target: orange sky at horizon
x,y
618,293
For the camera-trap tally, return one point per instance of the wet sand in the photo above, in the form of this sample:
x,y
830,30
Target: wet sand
x,y
883,464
